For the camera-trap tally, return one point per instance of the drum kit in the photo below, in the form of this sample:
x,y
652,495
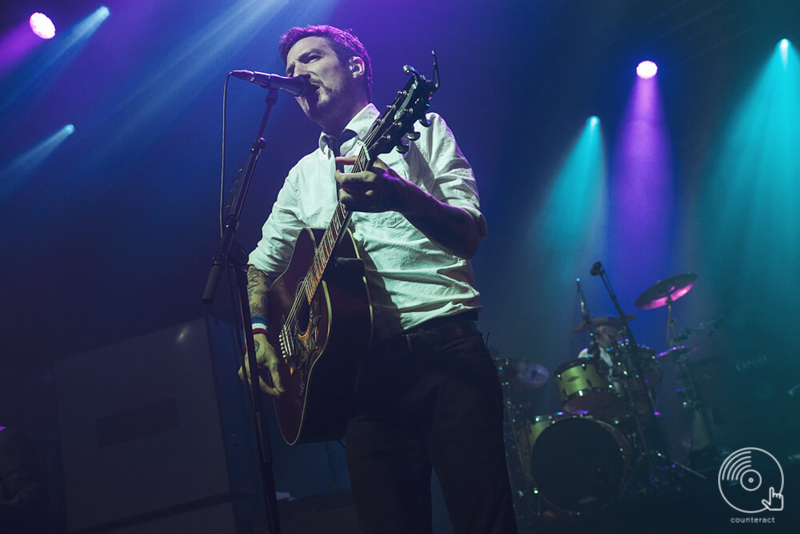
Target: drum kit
x,y
606,444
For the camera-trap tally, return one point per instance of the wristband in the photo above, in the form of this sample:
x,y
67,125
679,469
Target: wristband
x,y
259,330
259,321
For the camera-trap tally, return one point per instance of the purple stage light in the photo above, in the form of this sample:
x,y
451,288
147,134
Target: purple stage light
x,y
642,192
646,69
42,26
16,44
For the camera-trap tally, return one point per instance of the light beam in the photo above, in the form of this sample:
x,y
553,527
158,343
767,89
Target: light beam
x,y
25,165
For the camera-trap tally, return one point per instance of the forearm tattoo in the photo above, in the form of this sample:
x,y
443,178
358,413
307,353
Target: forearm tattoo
x,y
257,292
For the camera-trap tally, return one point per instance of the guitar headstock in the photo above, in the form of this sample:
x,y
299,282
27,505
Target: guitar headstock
x,y
410,106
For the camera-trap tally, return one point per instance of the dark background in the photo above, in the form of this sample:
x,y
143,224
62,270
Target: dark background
x,y
112,235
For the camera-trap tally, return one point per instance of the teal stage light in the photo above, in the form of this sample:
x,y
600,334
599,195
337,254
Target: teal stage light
x,y
14,173
783,46
572,222
749,207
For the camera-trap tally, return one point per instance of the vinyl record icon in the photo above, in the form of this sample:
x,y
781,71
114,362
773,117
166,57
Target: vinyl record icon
x,y
749,478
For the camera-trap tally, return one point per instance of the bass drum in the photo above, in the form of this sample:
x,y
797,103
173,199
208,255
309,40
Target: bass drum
x,y
525,437
579,463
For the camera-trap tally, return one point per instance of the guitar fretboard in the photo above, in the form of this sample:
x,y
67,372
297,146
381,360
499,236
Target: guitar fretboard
x,y
326,246
331,237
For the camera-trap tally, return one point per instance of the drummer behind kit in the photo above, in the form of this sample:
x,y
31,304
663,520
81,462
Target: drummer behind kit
x,y
607,443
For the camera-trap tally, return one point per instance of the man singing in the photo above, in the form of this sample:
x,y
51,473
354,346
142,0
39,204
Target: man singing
x,y
428,396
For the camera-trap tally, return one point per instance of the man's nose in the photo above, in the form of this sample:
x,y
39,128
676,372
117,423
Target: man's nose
x,y
301,70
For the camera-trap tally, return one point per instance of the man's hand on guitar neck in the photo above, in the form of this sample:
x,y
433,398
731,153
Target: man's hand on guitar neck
x,y
266,358
380,188
376,189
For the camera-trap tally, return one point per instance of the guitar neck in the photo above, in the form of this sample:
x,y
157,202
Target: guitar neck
x,y
332,236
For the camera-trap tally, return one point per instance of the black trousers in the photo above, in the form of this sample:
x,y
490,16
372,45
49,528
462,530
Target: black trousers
x,y
426,401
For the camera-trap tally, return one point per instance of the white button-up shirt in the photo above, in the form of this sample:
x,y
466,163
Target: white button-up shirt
x,y
411,278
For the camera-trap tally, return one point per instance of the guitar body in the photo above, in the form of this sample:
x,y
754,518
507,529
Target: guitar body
x,y
323,353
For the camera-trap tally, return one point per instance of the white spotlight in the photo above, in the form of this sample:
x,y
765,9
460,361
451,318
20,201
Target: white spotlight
x,y
42,26
646,69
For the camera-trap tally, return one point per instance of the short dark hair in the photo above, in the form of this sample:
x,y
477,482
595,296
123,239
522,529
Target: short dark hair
x,y
343,43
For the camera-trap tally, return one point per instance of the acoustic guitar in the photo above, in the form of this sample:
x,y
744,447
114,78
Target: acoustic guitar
x,y
322,301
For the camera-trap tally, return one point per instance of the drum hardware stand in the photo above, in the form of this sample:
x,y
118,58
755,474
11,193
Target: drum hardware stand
x,y
671,327
518,477
528,503
673,335
687,378
694,403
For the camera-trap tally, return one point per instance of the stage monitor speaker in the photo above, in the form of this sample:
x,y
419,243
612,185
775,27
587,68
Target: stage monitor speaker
x,y
143,438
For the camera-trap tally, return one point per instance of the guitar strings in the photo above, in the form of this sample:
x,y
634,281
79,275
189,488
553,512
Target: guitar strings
x,y
340,218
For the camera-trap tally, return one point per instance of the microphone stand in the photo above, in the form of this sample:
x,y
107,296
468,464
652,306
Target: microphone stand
x,y
634,364
230,254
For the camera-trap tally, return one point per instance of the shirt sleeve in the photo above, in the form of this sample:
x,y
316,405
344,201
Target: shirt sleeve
x,y
279,233
454,182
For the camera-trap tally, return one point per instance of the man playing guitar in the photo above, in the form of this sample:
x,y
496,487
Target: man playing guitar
x,y
426,394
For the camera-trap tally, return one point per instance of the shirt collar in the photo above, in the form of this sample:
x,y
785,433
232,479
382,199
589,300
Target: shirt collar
x,y
360,124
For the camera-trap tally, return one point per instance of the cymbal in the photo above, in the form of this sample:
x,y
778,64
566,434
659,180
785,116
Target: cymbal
x,y
591,324
521,374
664,291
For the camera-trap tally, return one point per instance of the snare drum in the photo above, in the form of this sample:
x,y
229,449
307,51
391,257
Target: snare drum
x,y
576,462
582,387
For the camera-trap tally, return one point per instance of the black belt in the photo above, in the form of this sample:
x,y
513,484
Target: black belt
x,y
428,334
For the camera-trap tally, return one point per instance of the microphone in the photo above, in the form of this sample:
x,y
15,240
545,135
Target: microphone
x,y
597,268
584,312
296,86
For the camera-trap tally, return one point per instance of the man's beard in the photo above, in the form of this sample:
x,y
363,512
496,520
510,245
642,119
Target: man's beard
x,y
333,108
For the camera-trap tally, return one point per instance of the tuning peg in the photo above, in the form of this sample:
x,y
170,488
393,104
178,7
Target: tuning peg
x,y
425,122
413,136
402,147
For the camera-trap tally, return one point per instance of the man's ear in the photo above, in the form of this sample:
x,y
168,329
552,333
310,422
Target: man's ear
x,y
356,65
